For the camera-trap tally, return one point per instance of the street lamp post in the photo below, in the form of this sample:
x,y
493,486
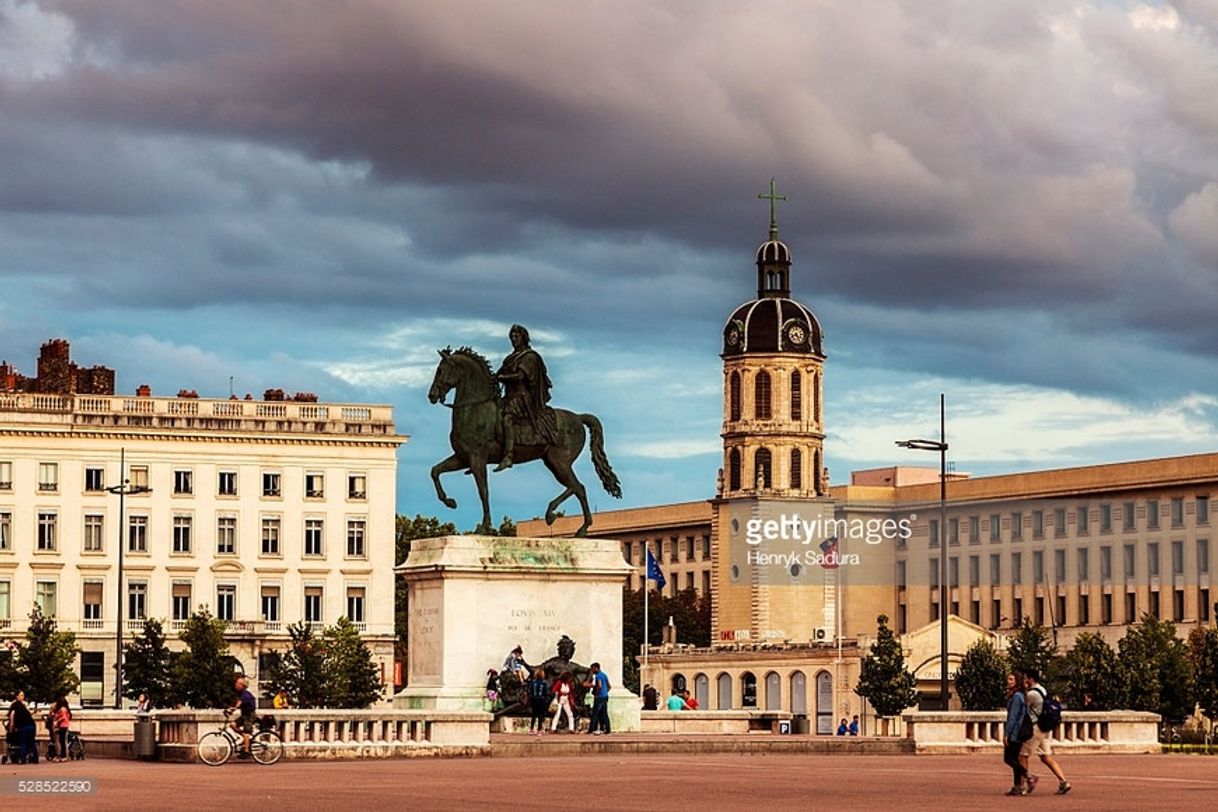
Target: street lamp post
x,y
941,447
123,489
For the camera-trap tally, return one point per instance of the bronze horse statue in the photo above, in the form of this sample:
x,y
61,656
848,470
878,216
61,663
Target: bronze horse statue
x,y
477,437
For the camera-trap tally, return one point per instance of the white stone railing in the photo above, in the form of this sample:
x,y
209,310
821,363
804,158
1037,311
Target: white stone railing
x,y
713,721
974,731
341,734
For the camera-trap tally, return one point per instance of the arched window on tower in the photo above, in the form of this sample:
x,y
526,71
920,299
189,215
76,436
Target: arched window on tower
x,y
761,396
816,476
797,474
763,469
816,398
733,470
797,396
733,396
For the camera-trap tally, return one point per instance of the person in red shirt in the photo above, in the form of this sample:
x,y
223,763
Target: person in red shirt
x,y
690,702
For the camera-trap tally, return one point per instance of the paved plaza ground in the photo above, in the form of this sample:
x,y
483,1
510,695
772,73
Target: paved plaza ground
x,y
635,782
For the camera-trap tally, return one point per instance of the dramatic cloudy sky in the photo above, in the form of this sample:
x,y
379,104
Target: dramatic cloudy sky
x,y
1014,201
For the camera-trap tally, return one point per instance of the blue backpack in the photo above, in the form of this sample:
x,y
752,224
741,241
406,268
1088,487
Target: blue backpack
x,y
1050,714
538,689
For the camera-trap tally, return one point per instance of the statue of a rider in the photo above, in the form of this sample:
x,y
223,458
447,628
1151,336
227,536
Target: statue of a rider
x,y
526,414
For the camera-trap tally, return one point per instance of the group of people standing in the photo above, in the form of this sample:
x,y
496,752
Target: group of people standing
x,y
678,700
21,731
1026,734
561,696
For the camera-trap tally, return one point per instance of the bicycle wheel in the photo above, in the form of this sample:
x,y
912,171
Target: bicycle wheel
x,y
266,747
214,748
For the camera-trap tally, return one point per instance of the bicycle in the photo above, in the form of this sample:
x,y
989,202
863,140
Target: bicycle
x,y
218,746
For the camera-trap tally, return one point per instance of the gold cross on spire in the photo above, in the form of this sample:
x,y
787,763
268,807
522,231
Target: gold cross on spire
x,y
773,197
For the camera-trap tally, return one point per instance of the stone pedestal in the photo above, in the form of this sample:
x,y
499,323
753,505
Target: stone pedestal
x,y
474,598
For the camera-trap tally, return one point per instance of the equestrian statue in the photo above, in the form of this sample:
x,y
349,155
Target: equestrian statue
x,y
515,425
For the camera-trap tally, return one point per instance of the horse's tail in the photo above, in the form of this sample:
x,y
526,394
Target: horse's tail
x,y
599,460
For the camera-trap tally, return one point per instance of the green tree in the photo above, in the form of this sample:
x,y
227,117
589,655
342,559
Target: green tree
x,y
690,613
981,679
8,669
1093,667
203,673
1030,648
1203,645
1159,669
301,670
351,677
884,681
147,666
45,660
407,530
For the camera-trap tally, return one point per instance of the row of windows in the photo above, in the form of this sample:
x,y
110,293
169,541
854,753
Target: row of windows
x,y
182,536
763,469
674,582
1080,517
1082,570
678,549
1054,613
184,481
46,596
763,397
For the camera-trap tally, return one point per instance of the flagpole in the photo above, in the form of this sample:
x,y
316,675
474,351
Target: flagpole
x,y
646,611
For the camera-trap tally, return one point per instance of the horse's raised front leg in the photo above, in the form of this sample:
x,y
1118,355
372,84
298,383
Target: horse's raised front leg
x,y
562,471
452,463
478,468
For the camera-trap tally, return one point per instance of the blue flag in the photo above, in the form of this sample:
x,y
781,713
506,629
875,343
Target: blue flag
x,y
653,571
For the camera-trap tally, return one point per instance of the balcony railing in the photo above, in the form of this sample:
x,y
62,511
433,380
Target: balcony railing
x,y
92,624
223,415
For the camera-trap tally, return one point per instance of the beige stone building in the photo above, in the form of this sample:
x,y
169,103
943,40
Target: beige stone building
x,y
268,512
1076,549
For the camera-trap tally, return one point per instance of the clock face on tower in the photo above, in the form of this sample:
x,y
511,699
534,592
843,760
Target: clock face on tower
x,y
796,334
733,337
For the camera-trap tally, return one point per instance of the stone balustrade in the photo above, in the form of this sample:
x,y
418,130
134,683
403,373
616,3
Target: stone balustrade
x,y
341,734
713,721
1080,732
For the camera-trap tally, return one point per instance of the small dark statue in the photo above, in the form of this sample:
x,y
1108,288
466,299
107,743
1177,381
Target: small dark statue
x,y
512,694
515,426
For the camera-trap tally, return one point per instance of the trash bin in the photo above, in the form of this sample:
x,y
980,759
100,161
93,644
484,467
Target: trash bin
x,y
145,738
800,725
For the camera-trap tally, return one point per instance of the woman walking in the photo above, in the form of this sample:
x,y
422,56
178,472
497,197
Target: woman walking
x,y
564,695
1011,742
63,722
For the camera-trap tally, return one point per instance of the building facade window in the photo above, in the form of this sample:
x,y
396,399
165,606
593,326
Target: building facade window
x,y
1105,518
995,527
6,531
1203,510
995,569
226,602
1106,565
1152,514
183,482
1016,525
1128,515
1038,524
1130,564
733,397
313,604
314,534
180,597
48,476
797,396
953,526
226,535
355,604
137,534
183,527
356,532
270,603
733,469
95,480
46,597
315,485
1152,560
139,476
1083,525
797,474
974,529
270,535
1177,512
270,484
6,600
6,475
763,469
95,533
1059,522
761,396
91,610
48,531
137,600
933,526
357,485
226,484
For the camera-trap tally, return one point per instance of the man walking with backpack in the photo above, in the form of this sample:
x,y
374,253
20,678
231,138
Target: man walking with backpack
x,y
1046,715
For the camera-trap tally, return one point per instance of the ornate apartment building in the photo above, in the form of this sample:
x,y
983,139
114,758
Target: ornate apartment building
x,y
267,512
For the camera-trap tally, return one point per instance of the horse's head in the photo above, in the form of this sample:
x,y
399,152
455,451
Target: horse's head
x,y
445,378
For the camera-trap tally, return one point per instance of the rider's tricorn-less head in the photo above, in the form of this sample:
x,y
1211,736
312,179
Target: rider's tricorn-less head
x,y
524,334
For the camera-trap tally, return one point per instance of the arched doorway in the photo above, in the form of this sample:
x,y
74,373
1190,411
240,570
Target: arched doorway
x,y
748,690
799,692
824,703
678,682
725,692
773,691
702,691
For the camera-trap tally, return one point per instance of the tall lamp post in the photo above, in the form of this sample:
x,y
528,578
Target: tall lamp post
x,y
941,447
123,490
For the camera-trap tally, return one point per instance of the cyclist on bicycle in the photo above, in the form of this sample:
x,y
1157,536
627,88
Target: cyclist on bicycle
x,y
244,724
